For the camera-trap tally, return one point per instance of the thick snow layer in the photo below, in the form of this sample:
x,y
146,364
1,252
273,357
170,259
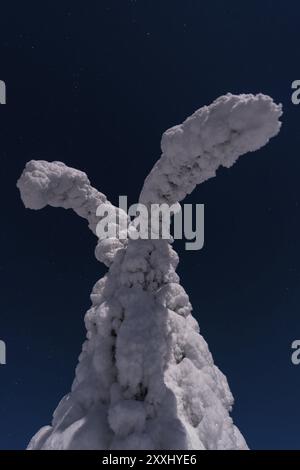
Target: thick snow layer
x,y
145,377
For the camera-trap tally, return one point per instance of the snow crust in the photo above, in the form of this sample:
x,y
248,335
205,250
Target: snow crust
x,y
145,377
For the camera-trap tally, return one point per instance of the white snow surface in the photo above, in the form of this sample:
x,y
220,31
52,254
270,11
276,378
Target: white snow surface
x,y
145,377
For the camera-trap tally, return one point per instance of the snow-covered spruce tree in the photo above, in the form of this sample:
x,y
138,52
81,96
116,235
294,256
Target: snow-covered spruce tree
x,y
145,377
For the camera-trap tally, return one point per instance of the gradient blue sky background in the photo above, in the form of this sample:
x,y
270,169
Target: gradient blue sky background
x,y
95,84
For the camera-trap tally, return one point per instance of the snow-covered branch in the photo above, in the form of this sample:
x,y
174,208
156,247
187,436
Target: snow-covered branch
x,y
45,183
213,136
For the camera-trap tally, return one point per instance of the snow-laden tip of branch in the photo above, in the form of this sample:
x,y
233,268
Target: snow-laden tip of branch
x,y
55,184
215,135
45,183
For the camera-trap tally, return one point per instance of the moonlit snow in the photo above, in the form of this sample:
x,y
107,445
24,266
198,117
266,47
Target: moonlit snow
x,y
145,377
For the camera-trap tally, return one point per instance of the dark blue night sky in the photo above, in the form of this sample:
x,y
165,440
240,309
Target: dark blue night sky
x,y
94,84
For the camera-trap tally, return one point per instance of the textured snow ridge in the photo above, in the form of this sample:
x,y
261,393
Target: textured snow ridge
x,y
145,377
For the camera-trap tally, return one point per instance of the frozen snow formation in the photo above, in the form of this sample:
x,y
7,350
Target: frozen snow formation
x,y
145,377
